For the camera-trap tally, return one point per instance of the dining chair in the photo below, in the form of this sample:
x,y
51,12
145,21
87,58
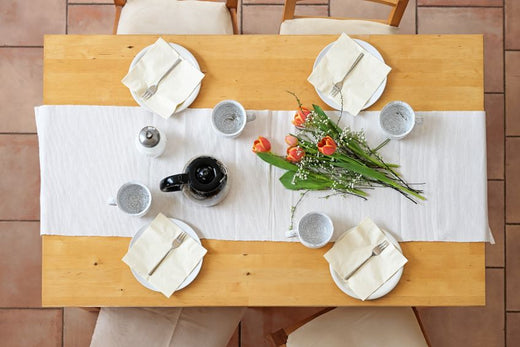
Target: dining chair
x,y
176,17
355,326
309,25
168,327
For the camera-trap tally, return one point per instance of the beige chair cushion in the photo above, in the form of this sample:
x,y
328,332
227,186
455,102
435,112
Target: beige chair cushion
x,y
174,17
360,327
166,327
323,26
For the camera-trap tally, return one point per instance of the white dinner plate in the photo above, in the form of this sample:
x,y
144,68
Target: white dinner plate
x,y
184,53
377,94
189,230
381,291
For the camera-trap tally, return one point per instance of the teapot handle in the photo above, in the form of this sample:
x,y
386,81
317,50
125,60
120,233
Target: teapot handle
x,y
173,183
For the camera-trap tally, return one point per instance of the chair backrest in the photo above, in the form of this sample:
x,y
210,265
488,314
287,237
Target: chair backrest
x,y
395,326
394,18
230,4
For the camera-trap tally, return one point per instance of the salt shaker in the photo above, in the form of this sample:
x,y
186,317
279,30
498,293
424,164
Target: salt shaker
x,y
151,141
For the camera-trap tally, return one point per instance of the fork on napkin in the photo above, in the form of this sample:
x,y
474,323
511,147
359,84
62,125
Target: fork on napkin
x,y
176,86
361,83
156,241
353,248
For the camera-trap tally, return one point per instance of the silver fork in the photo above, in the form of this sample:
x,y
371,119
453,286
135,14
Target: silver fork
x,y
337,87
175,243
151,90
375,252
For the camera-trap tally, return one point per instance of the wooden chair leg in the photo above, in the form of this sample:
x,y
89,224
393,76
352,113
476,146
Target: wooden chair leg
x,y
119,6
421,326
234,20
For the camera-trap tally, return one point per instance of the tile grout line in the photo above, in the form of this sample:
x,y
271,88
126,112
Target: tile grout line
x,y
460,6
66,17
17,133
18,220
15,46
29,308
241,17
91,4
504,166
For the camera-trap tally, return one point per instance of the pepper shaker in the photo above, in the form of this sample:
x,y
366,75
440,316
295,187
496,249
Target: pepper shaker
x,y
151,141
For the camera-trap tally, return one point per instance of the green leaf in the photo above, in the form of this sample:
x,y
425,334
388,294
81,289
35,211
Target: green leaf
x,y
291,183
277,161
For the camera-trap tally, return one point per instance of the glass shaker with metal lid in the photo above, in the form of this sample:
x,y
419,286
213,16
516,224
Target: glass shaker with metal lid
x,y
151,141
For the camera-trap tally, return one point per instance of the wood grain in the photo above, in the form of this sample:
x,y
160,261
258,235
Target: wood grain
x,y
88,271
430,72
434,72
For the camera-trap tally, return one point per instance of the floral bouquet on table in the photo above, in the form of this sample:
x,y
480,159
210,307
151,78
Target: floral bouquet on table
x,y
323,156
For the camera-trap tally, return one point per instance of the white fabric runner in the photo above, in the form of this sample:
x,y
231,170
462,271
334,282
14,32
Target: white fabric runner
x,y
87,152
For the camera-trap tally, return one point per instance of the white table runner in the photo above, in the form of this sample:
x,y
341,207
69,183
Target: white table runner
x,y
87,152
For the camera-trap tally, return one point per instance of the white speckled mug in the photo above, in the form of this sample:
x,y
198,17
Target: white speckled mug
x,y
229,118
133,198
397,119
315,229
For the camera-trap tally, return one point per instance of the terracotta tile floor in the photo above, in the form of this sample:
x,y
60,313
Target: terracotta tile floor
x,y
23,322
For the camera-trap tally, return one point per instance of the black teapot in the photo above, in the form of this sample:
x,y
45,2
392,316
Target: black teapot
x,y
204,181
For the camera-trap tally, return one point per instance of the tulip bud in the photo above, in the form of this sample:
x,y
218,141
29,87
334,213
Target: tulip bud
x,y
301,116
291,140
295,154
327,146
261,144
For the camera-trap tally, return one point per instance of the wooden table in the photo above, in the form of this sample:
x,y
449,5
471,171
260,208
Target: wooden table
x,y
430,72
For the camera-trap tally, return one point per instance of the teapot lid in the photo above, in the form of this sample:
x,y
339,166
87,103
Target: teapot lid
x,y
206,174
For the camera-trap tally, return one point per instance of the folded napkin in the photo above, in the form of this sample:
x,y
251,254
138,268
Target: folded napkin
x,y
153,244
354,247
359,85
173,89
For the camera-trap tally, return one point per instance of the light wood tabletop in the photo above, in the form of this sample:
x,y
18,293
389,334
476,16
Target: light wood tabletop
x,y
430,72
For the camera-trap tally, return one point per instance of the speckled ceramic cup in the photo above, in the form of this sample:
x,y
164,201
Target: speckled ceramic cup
x,y
397,119
229,118
133,198
315,230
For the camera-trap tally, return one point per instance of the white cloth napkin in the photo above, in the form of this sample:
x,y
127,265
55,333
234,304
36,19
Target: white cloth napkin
x,y
360,84
354,247
173,89
148,250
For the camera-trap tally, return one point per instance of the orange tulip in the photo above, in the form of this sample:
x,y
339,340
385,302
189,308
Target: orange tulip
x,y
301,116
261,144
295,154
291,140
327,146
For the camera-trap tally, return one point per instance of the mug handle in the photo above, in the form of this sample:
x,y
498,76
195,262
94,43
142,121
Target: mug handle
x,y
173,183
111,202
250,117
